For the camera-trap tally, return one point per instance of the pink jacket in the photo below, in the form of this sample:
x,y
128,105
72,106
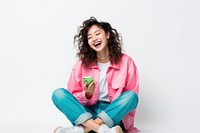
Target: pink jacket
x,y
121,77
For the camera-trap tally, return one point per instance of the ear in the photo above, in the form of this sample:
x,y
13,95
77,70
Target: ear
x,y
108,35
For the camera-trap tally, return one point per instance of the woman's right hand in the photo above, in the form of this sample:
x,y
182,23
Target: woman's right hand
x,y
89,91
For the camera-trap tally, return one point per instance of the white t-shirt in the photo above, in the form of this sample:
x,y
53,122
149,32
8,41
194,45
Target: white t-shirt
x,y
103,86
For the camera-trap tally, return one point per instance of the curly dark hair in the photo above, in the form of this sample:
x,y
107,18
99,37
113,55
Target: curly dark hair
x,y
88,55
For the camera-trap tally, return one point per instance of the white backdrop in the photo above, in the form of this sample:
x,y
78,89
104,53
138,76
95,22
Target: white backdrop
x,y
37,54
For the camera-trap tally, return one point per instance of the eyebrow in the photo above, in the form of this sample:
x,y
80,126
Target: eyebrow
x,y
94,32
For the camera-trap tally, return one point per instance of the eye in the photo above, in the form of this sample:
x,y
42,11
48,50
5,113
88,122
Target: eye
x,y
89,37
98,33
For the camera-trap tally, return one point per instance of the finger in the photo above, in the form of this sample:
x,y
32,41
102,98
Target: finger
x,y
91,84
91,88
85,86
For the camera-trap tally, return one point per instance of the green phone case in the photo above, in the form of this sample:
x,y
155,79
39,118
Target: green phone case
x,y
88,80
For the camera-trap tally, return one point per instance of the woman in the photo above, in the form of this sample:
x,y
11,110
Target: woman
x,y
108,103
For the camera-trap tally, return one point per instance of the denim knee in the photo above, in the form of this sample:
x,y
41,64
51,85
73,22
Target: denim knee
x,y
59,94
132,98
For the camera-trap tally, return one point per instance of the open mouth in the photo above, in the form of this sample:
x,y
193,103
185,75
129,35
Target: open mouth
x,y
97,44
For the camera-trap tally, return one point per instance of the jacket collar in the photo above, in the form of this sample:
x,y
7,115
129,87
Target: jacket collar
x,y
115,66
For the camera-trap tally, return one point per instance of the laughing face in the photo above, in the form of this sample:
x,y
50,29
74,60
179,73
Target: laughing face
x,y
97,39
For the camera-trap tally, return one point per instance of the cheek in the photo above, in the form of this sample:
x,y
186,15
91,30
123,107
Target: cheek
x,y
90,43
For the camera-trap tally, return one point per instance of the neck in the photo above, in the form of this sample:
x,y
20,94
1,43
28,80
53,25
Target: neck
x,y
103,57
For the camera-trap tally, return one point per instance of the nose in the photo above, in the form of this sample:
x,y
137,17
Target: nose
x,y
94,38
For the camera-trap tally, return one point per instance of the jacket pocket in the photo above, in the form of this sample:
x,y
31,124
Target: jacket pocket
x,y
120,83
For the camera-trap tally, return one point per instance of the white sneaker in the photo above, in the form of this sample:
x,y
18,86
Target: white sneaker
x,y
105,129
74,129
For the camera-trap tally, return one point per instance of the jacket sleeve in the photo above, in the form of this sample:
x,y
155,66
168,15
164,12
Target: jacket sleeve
x,y
75,84
132,82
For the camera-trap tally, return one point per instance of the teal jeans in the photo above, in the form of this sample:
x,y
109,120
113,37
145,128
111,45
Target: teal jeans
x,y
111,113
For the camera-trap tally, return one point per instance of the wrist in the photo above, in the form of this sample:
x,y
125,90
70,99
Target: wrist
x,y
88,96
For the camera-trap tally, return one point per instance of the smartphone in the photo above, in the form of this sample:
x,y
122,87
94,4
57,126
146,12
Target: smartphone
x,y
88,80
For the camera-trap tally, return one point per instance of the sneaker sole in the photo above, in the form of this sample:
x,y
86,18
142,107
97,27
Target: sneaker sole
x,y
118,129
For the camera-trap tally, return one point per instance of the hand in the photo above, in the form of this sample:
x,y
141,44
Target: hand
x,y
89,91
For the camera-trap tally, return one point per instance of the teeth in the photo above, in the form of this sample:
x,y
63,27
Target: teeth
x,y
97,43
